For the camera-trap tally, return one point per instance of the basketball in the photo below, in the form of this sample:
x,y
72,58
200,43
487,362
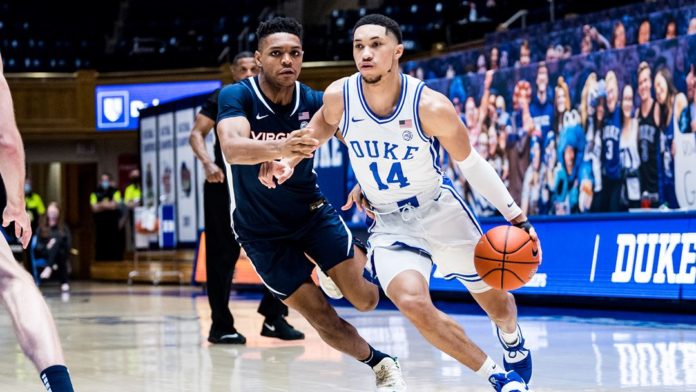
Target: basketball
x,y
506,257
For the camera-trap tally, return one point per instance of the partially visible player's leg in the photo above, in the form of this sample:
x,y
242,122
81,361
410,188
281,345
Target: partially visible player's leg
x,y
32,321
457,262
329,243
405,275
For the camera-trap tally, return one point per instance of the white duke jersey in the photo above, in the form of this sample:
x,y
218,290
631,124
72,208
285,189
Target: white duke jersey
x,y
392,158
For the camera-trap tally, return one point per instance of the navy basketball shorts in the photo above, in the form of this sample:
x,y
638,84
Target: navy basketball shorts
x,y
282,264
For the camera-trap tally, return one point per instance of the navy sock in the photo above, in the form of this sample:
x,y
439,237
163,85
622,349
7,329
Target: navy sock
x,y
56,379
374,358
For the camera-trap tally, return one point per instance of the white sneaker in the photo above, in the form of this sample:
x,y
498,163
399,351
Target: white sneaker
x,y
46,273
65,287
388,375
328,285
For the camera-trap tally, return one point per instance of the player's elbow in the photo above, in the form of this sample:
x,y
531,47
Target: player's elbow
x,y
9,142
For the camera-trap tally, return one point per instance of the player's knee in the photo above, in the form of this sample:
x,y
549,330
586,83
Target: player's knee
x,y
502,309
414,306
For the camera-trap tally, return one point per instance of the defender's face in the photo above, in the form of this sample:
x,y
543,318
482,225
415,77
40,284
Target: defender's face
x,y
376,53
244,68
280,58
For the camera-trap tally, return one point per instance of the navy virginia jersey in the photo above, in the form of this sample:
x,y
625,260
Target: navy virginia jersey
x,y
260,213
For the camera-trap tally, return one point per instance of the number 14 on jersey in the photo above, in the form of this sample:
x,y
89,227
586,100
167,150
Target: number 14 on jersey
x,y
395,176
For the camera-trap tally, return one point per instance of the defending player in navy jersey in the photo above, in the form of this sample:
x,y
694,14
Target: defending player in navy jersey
x,y
393,126
277,227
222,250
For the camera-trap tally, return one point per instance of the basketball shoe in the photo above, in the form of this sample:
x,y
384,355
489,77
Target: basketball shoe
x,y
508,382
517,357
388,376
328,285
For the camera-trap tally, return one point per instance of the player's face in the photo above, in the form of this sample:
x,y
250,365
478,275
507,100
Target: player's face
x,y
644,85
280,58
627,101
244,68
376,52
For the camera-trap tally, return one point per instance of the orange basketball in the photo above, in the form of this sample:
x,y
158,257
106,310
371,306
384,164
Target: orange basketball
x,y
506,257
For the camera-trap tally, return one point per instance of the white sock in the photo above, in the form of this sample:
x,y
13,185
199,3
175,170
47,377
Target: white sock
x,y
511,339
489,368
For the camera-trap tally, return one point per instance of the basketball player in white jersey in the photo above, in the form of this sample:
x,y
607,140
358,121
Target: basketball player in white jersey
x,y
392,125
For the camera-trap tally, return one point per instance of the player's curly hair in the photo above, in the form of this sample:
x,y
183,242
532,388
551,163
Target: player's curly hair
x,y
381,20
279,25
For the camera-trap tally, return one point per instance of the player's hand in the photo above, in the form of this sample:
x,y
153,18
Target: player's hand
x,y
213,173
275,173
523,223
50,244
358,198
299,144
19,216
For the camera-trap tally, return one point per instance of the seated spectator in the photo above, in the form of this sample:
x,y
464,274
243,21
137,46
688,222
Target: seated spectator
x,y
525,55
630,160
495,58
671,29
566,187
53,244
618,36
644,32
532,183
593,37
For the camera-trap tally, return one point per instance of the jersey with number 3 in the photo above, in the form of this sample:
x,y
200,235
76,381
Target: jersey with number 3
x,y
393,159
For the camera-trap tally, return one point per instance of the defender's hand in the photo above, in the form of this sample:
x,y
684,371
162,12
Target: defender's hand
x,y
358,198
299,144
275,173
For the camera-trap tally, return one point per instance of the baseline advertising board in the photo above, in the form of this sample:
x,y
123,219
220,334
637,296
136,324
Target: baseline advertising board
x,y
644,255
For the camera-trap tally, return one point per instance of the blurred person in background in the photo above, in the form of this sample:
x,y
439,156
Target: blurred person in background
x,y
35,205
611,168
532,184
671,29
648,137
105,201
672,104
132,194
525,55
593,148
618,36
53,244
630,160
692,26
643,32
541,108
518,141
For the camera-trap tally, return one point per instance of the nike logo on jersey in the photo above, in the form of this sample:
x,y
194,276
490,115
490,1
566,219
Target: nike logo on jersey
x,y
270,327
353,119
260,117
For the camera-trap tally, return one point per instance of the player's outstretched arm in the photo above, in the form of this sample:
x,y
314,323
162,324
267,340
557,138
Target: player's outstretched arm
x,y
439,119
12,165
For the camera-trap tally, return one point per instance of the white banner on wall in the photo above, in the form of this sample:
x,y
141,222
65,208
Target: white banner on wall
x,y
148,157
166,178
186,178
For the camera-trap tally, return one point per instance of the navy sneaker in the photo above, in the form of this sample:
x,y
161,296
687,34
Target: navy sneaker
x,y
227,338
517,357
